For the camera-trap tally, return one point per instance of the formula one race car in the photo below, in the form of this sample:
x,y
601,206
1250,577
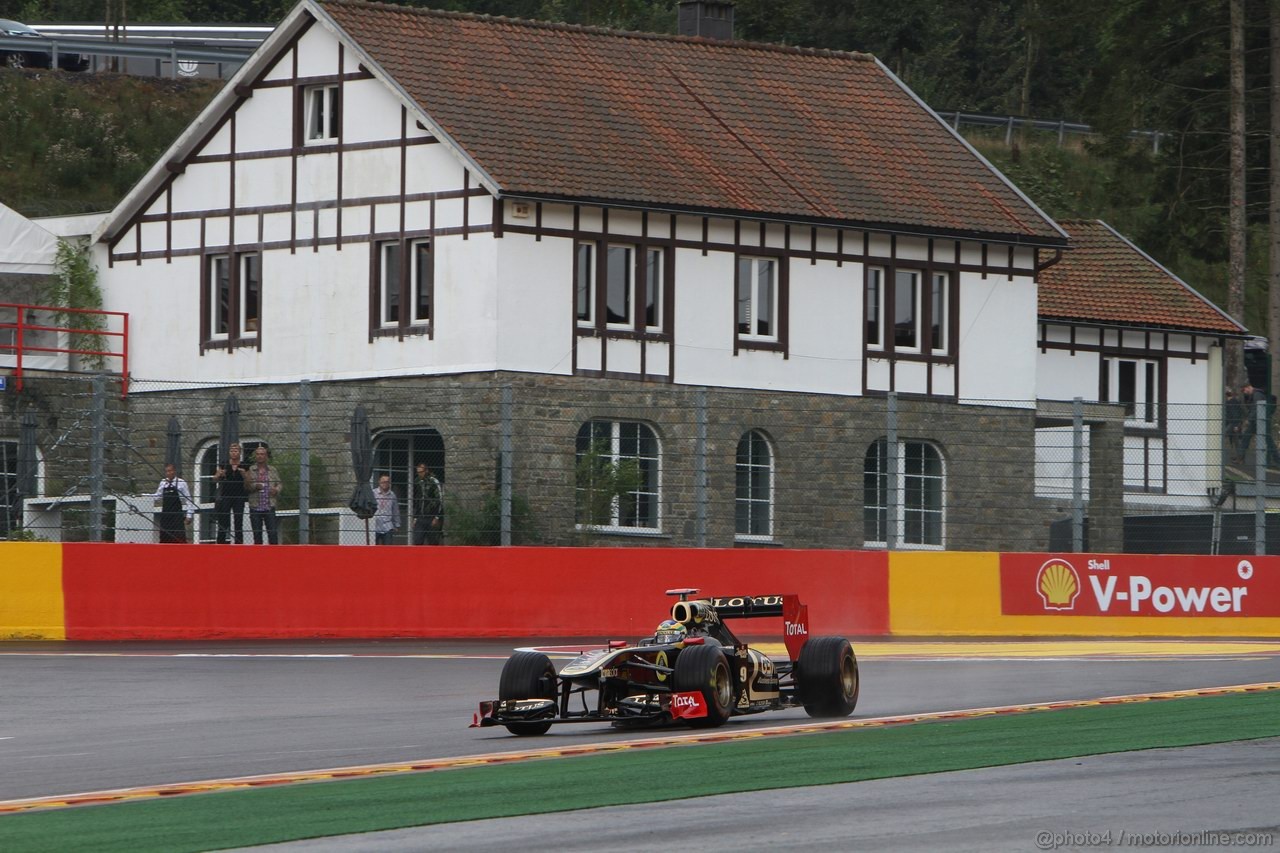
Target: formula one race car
x,y
692,669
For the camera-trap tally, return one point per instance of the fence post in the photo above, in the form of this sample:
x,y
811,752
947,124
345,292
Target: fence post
x,y
1077,475
1008,132
1260,475
1062,131
507,467
700,469
304,462
891,452
97,456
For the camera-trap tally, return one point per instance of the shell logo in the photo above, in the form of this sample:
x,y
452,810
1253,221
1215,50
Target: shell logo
x,y
1058,585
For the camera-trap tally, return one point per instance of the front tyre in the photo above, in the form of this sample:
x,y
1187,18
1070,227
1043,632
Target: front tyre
x,y
704,669
527,675
827,677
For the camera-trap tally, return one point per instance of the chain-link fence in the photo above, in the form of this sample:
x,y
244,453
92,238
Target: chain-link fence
x,y
533,459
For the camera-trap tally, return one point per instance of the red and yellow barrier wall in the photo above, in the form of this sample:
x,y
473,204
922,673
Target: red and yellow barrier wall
x,y
121,592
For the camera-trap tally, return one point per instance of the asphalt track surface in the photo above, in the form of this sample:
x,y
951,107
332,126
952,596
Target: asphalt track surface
x,y
89,717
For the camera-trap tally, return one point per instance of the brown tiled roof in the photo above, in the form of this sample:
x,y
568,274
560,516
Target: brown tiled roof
x,y
579,113
1104,278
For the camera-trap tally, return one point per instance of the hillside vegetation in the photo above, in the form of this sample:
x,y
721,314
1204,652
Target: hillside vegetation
x,y
75,143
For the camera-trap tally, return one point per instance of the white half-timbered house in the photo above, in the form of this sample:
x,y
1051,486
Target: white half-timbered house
x,y
386,192
1118,327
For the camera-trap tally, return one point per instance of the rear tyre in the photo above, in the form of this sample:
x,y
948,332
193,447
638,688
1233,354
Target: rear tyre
x,y
528,675
704,669
15,60
827,677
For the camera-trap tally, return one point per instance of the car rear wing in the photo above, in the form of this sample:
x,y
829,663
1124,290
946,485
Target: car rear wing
x,y
795,616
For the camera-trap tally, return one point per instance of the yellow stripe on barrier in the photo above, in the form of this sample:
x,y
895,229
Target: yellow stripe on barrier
x,y
244,782
31,591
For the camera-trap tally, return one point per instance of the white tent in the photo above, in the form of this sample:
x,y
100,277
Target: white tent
x,y
25,247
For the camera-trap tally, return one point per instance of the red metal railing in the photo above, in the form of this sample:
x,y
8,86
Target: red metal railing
x,y
22,349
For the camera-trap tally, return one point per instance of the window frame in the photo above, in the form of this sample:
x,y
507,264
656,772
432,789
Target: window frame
x,y
239,280
752,501
330,97
410,281
753,299
874,285
649,261
1146,411
651,487
914,285
904,488
928,285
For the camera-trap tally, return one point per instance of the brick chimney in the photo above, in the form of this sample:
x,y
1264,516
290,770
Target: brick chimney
x,y
712,19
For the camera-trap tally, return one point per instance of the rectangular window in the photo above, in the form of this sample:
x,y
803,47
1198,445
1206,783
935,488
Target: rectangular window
x,y
619,286
423,273
234,296
250,293
653,290
321,109
584,283
875,307
390,284
404,295
220,296
757,298
906,313
938,313
1135,384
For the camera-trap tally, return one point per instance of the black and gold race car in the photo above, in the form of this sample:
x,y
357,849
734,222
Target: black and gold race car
x,y
692,669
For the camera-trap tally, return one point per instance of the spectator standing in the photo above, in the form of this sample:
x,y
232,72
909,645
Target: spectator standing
x,y
232,494
175,503
428,508
262,483
1248,419
386,521
1234,421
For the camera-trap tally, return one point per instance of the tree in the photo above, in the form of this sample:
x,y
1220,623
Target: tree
x,y
1273,284
1236,211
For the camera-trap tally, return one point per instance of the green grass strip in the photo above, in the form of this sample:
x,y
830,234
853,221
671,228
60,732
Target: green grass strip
x,y
242,818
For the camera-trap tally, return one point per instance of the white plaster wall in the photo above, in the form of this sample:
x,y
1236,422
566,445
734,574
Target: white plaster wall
x,y
1193,428
997,340
265,121
1063,376
535,301
825,341
371,112
318,53
315,308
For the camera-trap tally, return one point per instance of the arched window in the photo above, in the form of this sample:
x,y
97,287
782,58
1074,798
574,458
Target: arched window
x,y
397,452
754,505
917,495
617,476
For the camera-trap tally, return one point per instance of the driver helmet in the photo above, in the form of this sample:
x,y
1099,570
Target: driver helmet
x,y
669,631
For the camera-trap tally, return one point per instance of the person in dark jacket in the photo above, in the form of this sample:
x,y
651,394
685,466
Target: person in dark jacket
x,y
229,509
428,508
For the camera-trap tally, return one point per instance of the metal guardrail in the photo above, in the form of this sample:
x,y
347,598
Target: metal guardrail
x,y
957,118
173,50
